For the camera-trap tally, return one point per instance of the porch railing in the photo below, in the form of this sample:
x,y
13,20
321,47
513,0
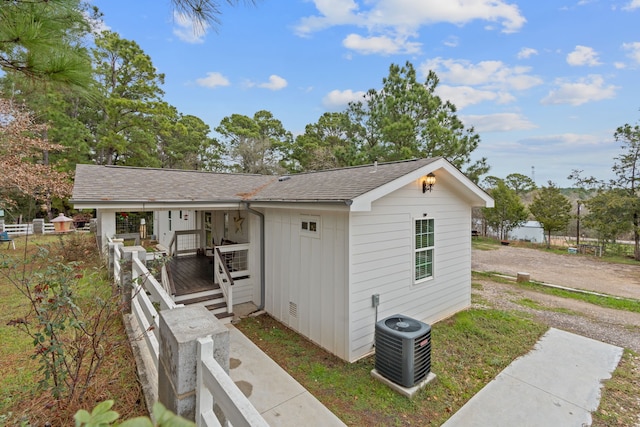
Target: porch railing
x,y
117,263
166,281
178,246
214,386
223,277
236,258
156,291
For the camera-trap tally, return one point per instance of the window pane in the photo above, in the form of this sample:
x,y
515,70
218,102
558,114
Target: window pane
x,y
424,264
424,233
424,243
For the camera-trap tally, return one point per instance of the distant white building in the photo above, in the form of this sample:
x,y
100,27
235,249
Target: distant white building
x,y
530,231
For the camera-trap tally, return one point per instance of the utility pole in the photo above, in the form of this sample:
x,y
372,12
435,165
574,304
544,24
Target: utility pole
x,y
578,225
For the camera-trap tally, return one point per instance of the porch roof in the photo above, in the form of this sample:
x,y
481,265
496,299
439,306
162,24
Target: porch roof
x,y
104,184
108,185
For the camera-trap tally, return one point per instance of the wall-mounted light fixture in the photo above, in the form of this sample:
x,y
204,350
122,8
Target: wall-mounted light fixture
x,y
428,182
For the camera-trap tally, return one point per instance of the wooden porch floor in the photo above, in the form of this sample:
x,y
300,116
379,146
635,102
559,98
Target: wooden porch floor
x,y
191,274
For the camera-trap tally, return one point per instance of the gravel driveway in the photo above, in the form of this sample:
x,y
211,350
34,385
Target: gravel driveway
x,y
616,327
575,271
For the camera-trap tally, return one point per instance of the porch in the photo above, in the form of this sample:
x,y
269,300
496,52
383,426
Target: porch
x,y
192,282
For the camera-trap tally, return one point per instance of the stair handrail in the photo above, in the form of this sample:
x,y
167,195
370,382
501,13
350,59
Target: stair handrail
x,y
223,277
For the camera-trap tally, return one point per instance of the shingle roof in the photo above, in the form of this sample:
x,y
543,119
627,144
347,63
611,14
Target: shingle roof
x,y
338,184
118,183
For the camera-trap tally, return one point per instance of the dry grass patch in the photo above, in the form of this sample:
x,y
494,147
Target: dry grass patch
x,y
22,401
620,402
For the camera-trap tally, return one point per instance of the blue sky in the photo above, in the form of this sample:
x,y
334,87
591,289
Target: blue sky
x,y
544,83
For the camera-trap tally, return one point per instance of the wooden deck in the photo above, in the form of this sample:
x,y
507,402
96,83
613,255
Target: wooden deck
x,y
191,274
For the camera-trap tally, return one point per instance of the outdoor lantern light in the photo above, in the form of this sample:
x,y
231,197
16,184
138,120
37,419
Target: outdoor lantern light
x,y
143,228
427,182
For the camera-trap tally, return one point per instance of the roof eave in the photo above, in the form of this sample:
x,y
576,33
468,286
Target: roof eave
x,y
153,204
478,197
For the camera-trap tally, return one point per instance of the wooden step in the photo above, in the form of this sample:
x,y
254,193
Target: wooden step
x,y
214,286
211,293
201,299
212,307
223,315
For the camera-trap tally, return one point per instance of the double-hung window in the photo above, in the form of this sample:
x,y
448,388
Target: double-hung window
x,y
423,249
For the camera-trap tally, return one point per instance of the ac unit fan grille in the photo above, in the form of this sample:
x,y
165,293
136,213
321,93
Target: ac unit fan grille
x,y
422,357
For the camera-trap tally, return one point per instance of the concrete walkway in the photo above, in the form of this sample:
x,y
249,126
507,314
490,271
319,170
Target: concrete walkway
x,y
280,399
557,384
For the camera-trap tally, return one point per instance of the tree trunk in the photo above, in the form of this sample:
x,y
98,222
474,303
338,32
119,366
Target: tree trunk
x,y
636,238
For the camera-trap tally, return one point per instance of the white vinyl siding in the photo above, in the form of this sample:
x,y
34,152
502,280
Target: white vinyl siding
x,y
424,246
306,275
176,220
382,254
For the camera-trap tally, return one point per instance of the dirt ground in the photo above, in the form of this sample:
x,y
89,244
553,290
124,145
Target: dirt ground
x,y
575,271
618,327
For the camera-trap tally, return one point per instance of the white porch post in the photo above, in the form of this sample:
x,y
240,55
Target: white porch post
x,y
106,223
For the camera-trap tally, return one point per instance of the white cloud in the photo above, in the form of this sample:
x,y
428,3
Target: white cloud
x,y
463,96
491,74
451,41
587,89
552,155
337,99
402,18
332,12
583,55
634,50
634,4
471,83
97,26
274,83
526,52
382,45
502,122
189,30
415,13
212,80
565,142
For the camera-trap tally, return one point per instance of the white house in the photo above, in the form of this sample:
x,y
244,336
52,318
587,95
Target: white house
x,y
530,231
319,245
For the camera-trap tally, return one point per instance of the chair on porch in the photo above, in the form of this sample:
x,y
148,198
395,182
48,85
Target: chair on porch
x,y
4,237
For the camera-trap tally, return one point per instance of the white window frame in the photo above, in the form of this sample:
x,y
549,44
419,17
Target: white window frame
x,y
423,249
310,225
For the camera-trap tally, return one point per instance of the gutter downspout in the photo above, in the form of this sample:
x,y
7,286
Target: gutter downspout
x,y
262,254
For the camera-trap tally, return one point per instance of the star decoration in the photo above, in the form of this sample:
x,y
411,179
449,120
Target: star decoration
x,y
238,222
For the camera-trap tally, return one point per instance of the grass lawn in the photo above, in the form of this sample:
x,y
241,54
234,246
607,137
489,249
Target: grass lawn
x,y
468,350
618,303
22,402
620,405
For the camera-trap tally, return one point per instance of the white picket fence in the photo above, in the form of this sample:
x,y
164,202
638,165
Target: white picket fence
x,y
22,229
213,383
